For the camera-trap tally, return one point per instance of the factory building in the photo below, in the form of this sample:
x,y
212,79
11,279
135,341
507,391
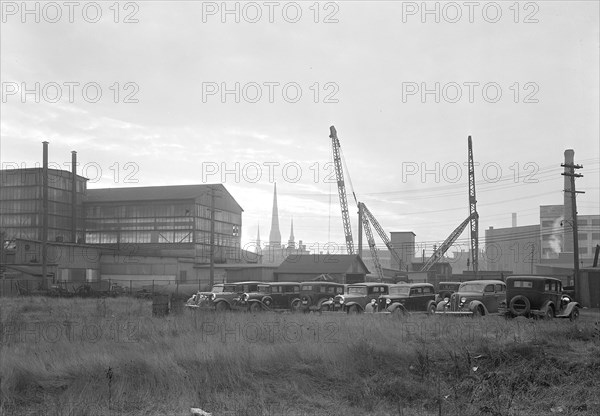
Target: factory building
x,y
159,233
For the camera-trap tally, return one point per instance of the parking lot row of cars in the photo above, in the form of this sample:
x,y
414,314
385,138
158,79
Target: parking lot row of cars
x,y
530,296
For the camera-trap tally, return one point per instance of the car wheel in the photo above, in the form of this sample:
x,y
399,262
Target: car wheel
x,y
519,305
574,314
255,307
399,312
549,313
431,309
221,307
353,309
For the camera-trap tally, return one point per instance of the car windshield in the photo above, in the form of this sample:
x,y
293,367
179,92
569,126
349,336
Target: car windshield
x,y
229,288
264,288
448,287
217,289
399,290
249,288
471,287
307,287
357,290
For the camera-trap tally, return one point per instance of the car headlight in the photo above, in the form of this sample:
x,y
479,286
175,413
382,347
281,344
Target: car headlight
x,y
463,300
211,296
341,298
244,297
330,299
447,300
373,301
388,301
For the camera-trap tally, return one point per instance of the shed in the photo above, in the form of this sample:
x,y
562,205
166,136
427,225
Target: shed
x,y
589,278
344,268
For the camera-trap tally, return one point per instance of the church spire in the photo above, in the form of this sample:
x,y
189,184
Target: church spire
x,y
291,242
275,235
258,238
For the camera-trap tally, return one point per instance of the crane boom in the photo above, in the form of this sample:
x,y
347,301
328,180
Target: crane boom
x,y
473,215
339,173
441,250
371,241
381,233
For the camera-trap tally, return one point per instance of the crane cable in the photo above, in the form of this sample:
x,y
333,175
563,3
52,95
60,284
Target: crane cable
x,y
348,174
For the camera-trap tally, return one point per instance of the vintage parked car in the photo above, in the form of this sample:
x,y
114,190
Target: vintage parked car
x,y
445,290
539,296
408,297
357,298
474,298
271,296
313,294
222,296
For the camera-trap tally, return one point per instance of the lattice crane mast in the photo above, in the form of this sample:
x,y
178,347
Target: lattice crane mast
x,y
339,173
381,232
473,215
371,241
441,250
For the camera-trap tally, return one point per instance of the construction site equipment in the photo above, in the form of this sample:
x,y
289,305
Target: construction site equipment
x,y
441,250
339,173
473,215
370,218
473,219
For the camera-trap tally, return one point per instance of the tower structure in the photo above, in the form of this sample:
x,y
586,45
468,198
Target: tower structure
x,y
275,234
291,242
258,248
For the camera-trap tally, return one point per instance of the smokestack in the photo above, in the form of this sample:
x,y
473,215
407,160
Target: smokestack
x,y
45,213
514,219
74,196
567,206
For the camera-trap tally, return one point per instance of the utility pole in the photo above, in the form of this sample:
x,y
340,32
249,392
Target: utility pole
x,y
212,237
532,254
2,263
570,172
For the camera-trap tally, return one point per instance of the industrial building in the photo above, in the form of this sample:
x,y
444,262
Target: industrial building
x,y
162,233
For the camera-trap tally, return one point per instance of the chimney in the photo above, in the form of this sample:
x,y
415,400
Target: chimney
x,y
567,208
45,213
514,219
74,196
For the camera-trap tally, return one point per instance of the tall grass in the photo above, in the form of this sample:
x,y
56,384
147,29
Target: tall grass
x,y
111,357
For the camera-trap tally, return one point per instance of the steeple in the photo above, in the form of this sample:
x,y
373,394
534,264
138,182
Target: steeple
x,y
291,243
258,248
275,235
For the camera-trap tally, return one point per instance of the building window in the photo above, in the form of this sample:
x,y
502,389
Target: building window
x,y
595,221
582,236
182,276
595,236
583,250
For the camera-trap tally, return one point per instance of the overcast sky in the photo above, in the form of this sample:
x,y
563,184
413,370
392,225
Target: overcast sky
x,y
198,92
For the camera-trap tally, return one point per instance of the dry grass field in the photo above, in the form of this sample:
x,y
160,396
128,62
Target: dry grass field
x,y
112,357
